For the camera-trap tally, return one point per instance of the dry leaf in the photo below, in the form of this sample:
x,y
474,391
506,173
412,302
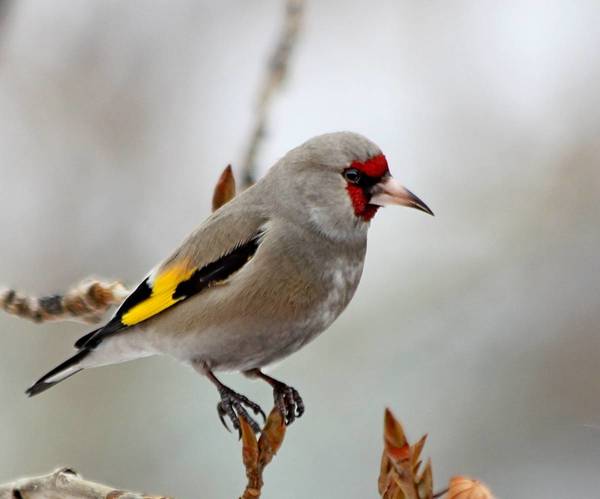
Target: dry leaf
x,y
249,446
271,437
386,468
225,189
256,455
393,431
250,460
425,482
399,476
462,487
416,454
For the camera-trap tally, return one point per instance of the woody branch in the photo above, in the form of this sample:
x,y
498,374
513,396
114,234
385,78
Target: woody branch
x,y
66,484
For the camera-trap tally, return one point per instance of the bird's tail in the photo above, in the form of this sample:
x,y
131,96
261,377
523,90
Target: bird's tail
x,y
65,370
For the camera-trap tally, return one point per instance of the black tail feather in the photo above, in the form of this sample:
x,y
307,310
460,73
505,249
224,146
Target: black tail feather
x,y
42,385
80,343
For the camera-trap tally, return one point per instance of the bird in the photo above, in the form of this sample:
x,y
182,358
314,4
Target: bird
x,y
260,278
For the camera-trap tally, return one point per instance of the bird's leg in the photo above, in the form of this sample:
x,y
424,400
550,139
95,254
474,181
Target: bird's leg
x,y
232,403
287,398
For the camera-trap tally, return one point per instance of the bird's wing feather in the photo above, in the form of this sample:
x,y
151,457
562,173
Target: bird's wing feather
x,y
210,255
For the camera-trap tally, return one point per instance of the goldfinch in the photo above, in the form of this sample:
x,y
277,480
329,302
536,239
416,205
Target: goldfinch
x,y
260,278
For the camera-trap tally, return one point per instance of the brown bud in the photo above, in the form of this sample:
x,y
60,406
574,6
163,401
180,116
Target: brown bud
x,y
462,487
225,189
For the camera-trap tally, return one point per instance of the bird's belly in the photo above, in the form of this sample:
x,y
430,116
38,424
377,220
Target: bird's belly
x,y
234,347
246,341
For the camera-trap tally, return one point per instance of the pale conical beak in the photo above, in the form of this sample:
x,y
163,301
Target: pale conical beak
x,y
390,191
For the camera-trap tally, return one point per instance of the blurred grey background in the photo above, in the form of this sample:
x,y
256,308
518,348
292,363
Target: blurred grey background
x,y
479,326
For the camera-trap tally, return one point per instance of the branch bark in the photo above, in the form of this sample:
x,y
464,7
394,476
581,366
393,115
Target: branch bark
x,y
84,302
277,69
65,483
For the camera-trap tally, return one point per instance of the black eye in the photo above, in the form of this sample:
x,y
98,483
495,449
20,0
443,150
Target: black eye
x,y
352,175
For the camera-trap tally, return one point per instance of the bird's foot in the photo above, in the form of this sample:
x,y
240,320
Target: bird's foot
x,y
233,406
288,401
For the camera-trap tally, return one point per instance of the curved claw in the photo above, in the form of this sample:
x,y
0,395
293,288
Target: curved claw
x,y
290,406
299,403
262,414
233,405
222,413
289,402
243,413
256,409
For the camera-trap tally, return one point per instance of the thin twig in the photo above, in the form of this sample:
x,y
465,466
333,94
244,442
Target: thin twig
x,y
5,6
277,69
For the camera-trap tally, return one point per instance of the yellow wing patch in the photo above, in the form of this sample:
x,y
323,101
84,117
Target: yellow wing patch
x,y
163,289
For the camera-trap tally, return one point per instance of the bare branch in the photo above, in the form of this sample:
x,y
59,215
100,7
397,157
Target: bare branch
x,y
277,69
66,484
85,302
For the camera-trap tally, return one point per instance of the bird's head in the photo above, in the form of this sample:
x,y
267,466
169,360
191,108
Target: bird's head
x,y
338,181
